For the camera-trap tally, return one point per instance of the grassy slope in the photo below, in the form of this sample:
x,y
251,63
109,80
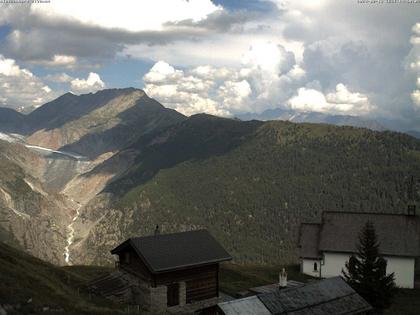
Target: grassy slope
x,y
23,277
62,289
255,192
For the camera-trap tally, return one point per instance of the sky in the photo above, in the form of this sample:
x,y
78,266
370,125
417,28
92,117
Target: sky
x,y
222,57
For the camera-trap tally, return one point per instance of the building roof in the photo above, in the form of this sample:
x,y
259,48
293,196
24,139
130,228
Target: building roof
x,y
398,234
329,296
245,306
309,240
175,251
274,287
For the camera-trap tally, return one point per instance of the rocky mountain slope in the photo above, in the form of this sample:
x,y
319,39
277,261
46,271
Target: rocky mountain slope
x,y
95,169
31,217
72,142
10,120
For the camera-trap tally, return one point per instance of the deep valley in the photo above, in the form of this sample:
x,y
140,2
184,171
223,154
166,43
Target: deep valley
x,y
82,173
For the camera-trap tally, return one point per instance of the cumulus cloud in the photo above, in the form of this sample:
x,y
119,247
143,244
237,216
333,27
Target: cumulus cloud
x,y
415,96
413,61
91,84
235,95
162,72
63,61
184,92
262,81
341,101
276,50
94,31
19,87
129,15
59,78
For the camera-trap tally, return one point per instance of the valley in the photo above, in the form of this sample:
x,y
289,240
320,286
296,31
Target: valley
x,y
82,173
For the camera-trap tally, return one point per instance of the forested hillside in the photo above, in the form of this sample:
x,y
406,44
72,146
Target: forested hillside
x,y
252,183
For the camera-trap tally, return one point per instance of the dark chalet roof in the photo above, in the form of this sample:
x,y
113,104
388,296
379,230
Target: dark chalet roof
x,y
167,252
308,240
329,296
398,234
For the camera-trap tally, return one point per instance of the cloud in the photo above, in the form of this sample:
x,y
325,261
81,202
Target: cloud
x,y
63,61
415,96
91,84
59,78
8,67
235,94
262,80
341,101
96,31
413,65
184,92
19,87
285,46
162,72
133,16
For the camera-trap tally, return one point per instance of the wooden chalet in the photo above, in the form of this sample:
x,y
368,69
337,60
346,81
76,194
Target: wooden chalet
x,y
176,272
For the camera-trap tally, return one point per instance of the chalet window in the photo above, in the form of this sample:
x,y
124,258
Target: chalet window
x,y
315,266
173,294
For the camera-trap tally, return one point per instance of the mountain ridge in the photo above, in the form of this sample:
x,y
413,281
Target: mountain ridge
x,y
147,165
314,117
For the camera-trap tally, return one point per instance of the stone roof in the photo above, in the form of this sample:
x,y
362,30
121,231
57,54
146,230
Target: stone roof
x,y
398,234
329,296
245,306
165,252
309,240
274,287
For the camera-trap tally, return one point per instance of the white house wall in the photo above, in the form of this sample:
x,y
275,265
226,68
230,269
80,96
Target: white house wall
x,y
307,267
403,268
333,264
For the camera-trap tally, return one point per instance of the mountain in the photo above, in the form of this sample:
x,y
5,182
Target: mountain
x,y
106,166
413,133
10,120
94,124
31,217
314,117
65,140
250,183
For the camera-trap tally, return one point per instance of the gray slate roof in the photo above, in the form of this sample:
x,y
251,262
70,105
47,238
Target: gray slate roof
x,y
274,287
245,306
309,240
167,252
329,296
398,234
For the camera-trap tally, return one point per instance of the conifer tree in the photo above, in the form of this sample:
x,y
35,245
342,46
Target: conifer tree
x,y
365,272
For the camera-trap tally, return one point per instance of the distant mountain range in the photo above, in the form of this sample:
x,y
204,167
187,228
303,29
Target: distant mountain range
x,y
92,170
321,118
414,133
